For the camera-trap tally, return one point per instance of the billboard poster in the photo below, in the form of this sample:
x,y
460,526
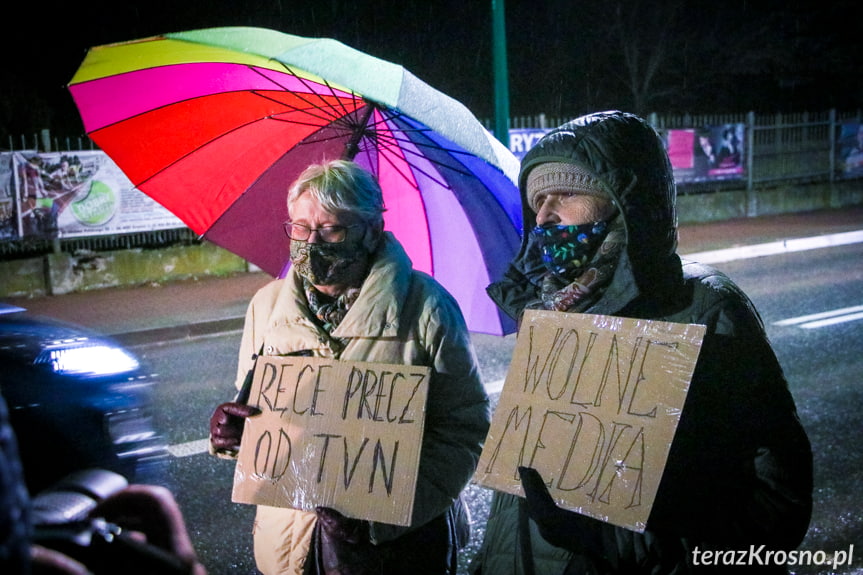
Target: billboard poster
x,y
76,194
8,219
523,139
706,154
696,154
850,148
680,145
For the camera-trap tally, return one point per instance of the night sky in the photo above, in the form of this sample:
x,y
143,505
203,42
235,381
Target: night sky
x,y
722,56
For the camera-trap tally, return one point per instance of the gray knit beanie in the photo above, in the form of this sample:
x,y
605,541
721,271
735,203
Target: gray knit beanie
x,y
556,177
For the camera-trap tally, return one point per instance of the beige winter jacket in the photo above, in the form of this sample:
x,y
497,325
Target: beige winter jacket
x,y
401,316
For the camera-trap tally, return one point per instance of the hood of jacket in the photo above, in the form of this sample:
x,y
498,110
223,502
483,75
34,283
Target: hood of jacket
x,y
628,157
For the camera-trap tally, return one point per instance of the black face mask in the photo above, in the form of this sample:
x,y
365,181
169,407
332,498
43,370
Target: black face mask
x,y
323,264
566,250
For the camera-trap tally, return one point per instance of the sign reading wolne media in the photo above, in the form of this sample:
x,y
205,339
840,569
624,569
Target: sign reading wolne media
x,y
341,434
592,403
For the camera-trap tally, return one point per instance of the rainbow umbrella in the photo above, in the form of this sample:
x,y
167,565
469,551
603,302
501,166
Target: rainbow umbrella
x,y
214,124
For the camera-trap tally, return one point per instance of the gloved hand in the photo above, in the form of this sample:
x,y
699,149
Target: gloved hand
x,y
344,547
566,529
226,425
342,528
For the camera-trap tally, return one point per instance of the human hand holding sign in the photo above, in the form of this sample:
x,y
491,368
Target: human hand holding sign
x,y
344,544
338,526
226,425
565,529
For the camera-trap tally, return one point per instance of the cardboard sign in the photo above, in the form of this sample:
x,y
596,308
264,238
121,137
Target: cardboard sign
x,y
592,403
341,434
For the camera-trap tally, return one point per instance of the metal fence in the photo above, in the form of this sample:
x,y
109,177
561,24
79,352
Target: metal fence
x,y
780,148
32,247
43,141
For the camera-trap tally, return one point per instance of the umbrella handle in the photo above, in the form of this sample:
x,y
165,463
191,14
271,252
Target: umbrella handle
x,y
246,388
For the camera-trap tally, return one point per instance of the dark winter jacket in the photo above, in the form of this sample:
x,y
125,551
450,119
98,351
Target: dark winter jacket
x,y
740,468
16,528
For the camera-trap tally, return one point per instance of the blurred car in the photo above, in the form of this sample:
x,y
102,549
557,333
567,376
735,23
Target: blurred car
x,y
77,400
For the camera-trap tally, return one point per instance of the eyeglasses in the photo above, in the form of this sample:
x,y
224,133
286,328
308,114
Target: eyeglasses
x,y
327,234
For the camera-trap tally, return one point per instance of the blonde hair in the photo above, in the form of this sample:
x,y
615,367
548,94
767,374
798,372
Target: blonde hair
x,y
341,186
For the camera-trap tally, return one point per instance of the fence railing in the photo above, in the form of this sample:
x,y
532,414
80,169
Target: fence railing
x,y
779,148
35,246
44,141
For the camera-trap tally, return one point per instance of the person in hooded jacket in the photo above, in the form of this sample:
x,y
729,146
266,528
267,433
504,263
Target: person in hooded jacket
x,y
352,294
739,471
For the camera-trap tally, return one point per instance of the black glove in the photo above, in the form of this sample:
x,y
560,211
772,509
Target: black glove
x,y
226,425
342,528
566,529
344,547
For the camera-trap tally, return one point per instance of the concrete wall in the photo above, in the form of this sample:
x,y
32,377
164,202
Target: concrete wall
x,y
788,198
64,273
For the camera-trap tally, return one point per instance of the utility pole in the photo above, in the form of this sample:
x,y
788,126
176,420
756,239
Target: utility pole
x,y
501,74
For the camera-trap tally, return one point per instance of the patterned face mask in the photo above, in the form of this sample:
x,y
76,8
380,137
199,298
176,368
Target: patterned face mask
x,y
566,250
323,264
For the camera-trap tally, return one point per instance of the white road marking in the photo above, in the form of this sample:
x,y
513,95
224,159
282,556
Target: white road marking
x,y
833,317
189,448
494,386
773,248
832,321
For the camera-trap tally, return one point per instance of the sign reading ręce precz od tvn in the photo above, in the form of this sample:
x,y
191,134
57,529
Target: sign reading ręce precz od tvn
x,y
342,434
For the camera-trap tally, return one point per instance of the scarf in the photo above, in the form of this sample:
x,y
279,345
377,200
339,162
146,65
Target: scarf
x,y
577,292
329,311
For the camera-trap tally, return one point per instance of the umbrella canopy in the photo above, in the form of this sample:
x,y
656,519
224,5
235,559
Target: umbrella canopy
x,y
215,124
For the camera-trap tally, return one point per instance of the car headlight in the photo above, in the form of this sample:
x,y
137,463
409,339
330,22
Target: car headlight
x,y
88,360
